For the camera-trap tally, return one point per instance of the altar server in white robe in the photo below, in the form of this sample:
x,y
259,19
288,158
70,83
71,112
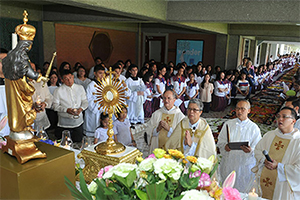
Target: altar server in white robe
x,y
193,136
163,121
92,113
280,179
136,99
241,129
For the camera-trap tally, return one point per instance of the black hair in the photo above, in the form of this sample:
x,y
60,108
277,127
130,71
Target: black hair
x,y
128,74
96,58
147,76
119,112
76,66
2,50
116,66
65,72
61,67
82,67
219,75
202,84
293,112
57,83
99,67
103,116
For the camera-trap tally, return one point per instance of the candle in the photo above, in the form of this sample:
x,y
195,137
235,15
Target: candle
x,y
14,40
252,195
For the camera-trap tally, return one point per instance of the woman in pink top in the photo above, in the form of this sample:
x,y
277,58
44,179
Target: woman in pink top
x,y
206,90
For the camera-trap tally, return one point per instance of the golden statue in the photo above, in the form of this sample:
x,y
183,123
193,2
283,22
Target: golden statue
x,y
17,71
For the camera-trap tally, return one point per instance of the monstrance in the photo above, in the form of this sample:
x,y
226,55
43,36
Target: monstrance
x,y
110,95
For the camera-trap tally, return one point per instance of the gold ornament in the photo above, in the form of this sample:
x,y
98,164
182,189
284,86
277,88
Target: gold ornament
x,y
110,95
25,31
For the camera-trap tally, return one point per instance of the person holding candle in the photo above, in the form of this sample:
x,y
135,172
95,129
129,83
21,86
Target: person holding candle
x,y
67,97
43,99
240,129
280,177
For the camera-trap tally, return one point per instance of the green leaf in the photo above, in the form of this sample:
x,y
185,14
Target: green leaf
x,y
214,169
100,192
130,178
74,191
156,191
141,194
83,187
178,198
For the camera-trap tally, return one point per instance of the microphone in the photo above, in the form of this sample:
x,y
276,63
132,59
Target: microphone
x,y
265,152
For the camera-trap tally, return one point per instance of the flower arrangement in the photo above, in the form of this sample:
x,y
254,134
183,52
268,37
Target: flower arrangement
x,y
161,175
2,125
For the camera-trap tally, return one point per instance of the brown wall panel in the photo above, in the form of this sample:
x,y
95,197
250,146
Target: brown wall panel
x,y
72,44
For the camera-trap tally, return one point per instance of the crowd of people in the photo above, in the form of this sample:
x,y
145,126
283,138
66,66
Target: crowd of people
x,y
174,97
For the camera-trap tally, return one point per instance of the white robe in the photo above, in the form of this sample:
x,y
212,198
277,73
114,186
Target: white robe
x,y
135,102
92,113
290,188
44,94
238,160
156,117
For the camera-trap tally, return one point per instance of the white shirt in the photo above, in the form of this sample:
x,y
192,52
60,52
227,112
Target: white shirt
x,y
221,86
69,97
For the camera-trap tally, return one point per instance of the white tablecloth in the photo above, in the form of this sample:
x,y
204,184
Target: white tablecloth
x,y
3,110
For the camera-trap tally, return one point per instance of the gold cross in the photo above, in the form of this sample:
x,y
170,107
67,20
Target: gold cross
x,y
25,14
267,181
279,145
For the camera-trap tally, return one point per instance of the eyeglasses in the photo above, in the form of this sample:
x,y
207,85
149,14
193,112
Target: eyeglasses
x,y
194,110
283,116
242,108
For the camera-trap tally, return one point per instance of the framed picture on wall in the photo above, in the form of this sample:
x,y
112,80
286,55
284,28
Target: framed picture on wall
x,y
189,51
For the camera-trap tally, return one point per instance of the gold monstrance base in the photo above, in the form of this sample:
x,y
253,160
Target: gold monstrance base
x,y
110,147
23,150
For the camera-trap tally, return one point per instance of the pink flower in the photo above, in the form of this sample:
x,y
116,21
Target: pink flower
x,y
151,156
195,174
204,180
2,143
231,194
104,170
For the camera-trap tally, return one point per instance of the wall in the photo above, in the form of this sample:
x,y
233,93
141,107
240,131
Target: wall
x,y
72,45
208,48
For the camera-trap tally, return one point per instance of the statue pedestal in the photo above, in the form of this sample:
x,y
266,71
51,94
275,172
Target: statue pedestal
x,y
23,150
38,178
94,161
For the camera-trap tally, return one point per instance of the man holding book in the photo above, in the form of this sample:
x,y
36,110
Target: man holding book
x,y
239,158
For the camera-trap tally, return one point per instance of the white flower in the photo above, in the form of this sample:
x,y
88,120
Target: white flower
x,y
196,194
122,169
205,165
93,187
147,165
167,168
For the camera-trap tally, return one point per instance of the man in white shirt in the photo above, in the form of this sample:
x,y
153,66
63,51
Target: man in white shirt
x,y
69,102
280,177
294,102
193,136
240,129
164,120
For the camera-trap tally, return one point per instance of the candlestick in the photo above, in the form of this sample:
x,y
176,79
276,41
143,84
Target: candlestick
x,y
252,195
14,40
